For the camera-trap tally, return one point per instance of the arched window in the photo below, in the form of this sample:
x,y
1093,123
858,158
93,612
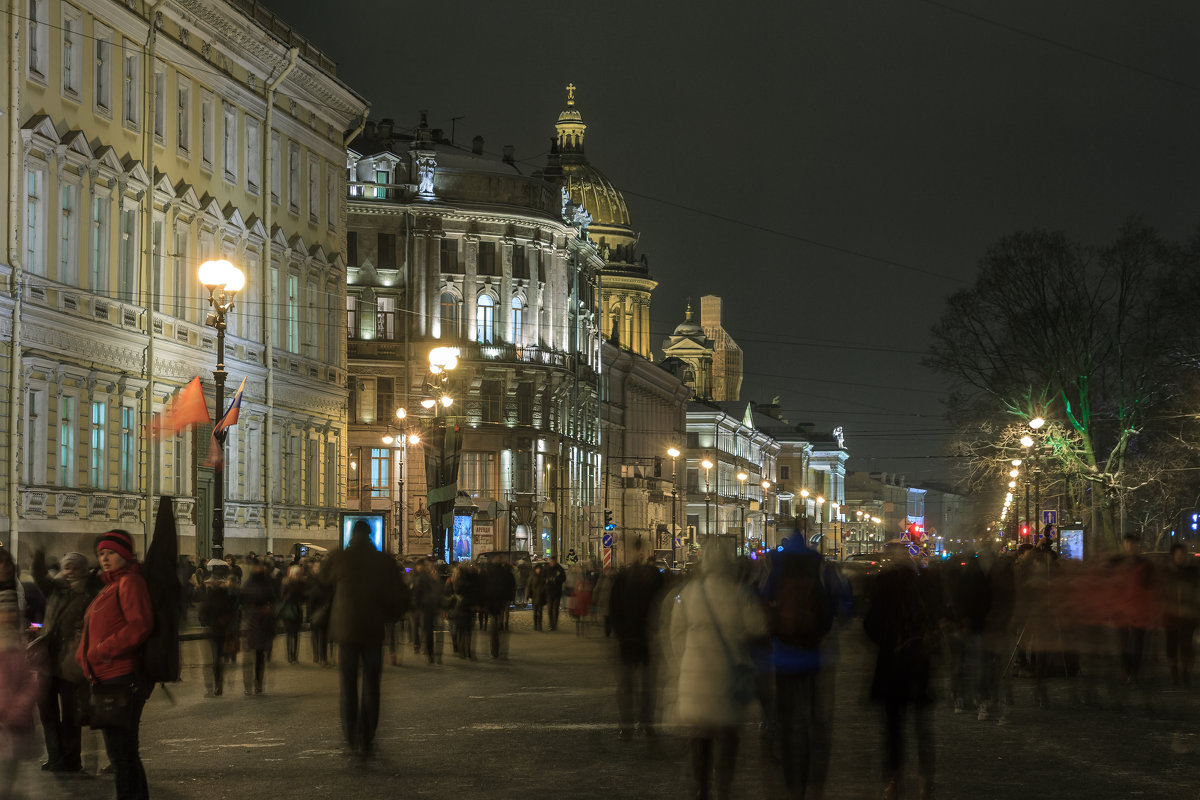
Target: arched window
x,y
449,316
517,320
485,316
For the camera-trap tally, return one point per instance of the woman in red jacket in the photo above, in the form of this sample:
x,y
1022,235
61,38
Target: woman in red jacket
x,y
118,621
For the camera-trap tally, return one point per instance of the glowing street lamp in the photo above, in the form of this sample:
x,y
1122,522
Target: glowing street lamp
x,y
708,465
673,452
223,281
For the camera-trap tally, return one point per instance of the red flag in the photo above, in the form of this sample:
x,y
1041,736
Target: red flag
x,y
216,453
185,408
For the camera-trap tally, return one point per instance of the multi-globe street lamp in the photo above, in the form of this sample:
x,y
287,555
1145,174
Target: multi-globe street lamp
x,y
223,281
673,452
742,477
708,465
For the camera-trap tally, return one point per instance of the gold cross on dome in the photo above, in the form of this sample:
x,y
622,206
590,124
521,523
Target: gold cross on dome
x,y
570,94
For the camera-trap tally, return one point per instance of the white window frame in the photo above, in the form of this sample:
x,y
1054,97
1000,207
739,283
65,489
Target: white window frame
x,y
314,189
33,448
160,102
229,142
485,319
102,49
129,252
68,232
331,176
127,465
293,312
183,115
100,233
294,177
207,129
516,319
68,434
72,51
176,304
276,166
38,49
253,154
131,85
36,208
98,445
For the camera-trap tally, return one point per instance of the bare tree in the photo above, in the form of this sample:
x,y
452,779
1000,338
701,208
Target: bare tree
x,y
1070,333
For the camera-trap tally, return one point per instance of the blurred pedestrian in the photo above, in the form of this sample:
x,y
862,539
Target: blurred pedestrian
x,y
712,626
802,600
117,622
1137,609
427,600
63,688
10,581
536,589
900,624
218,613
319,598
1181,608
498,588
634,598
368,591
556,580
258,600
20,695
291,609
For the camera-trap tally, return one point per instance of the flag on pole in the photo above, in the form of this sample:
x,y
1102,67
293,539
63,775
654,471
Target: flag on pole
x,y
186,408
216,455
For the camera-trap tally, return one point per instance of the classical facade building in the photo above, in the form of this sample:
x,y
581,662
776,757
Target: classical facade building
x,y
643,486
452,247
135,152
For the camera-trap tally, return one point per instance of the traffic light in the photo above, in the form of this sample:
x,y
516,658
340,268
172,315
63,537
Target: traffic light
x,y
1024,531
609,525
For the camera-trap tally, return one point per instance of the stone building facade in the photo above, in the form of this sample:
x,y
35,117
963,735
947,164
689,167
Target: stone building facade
x,y
135,152
450,247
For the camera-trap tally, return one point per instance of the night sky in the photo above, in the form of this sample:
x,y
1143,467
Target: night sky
x,y
831,169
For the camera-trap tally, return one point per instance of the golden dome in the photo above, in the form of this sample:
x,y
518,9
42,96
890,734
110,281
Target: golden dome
x,y
589,187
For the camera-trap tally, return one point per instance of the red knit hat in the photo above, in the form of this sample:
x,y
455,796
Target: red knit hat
x,y
120,542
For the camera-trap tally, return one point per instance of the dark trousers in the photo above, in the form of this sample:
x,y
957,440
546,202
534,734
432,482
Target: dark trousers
x,y
320,643
497,634
58,706
360,712
1179,632
895,714
804,716
635,693
1132,642
292,630
555,605
713,750
217,652
121,744
537,615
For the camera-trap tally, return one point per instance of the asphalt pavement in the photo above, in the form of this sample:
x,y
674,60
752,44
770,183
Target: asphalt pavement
x,y
542,724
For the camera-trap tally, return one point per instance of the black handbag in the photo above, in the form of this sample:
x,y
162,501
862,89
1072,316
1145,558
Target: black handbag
x,y
110,705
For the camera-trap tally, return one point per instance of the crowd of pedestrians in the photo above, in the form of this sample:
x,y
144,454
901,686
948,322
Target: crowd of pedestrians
x,y
702,653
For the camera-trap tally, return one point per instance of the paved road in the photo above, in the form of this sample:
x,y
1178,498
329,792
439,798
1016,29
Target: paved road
x,y
543,725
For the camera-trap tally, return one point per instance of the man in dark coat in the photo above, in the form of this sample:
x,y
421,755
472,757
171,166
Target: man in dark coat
x,y
536,589
62,684
368,592
498,588
633,608
556,579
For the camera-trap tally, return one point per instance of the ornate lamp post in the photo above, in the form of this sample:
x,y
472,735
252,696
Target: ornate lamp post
x,y
821,524
223,281
673,452
742,476
708,465
441,361
766,487
404,440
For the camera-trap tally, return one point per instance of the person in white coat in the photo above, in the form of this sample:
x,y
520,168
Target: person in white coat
x,y
712,625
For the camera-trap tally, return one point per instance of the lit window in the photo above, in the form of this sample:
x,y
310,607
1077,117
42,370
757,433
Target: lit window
x,y
517,320
484,319
97,468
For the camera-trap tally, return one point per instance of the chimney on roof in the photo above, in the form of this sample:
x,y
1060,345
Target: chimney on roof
x,y
508,153
477,145
385,128
369,129
437,135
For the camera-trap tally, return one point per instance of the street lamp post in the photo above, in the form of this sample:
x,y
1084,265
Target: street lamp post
x,y
673,452
821,524
766,487
708,465
223,281
1036,423
742,476
441,361
837,531
804,516
405,438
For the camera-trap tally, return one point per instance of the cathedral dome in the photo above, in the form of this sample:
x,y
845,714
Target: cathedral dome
x,y
588,186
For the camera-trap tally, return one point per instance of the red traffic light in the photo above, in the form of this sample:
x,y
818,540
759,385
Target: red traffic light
x,y
1024,530
915,531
